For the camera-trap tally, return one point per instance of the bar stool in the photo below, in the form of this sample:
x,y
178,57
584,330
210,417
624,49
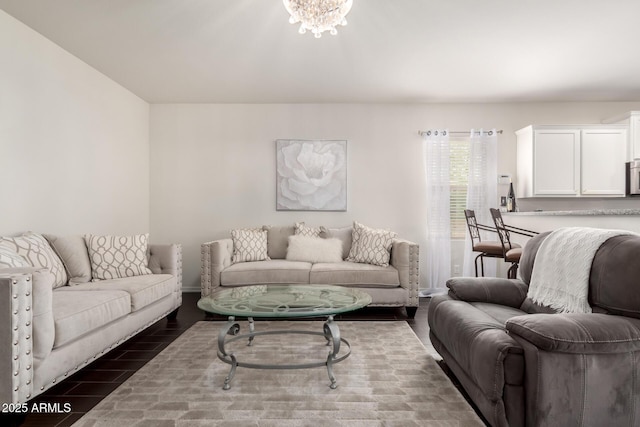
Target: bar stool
x,y
490,249
511,252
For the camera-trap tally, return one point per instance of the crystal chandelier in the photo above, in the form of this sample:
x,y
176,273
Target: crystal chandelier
x,y
318,16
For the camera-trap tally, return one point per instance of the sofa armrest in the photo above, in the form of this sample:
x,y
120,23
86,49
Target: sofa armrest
x,y
215,257
26,329
495,290
405,257
578,333
579,367
166,259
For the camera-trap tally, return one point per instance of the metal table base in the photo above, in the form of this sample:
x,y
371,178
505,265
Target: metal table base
x,y
330,332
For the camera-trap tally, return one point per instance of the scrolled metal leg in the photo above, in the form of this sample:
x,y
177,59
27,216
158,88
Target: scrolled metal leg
x,y
332,334
232,372
231,328
251,330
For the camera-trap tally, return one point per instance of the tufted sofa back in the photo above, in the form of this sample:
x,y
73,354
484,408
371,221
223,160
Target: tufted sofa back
x,y
614,282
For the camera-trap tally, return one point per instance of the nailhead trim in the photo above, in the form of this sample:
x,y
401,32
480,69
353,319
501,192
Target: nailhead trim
x,y
27,309
120,341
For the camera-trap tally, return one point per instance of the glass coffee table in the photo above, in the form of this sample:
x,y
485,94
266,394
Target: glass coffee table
x,y
283,301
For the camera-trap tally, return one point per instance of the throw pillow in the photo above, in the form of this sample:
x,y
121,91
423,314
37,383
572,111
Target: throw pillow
x,y
371,246
305,230
345,235
314,249
277,240
249,244
114,257
35,249
10,258
72,250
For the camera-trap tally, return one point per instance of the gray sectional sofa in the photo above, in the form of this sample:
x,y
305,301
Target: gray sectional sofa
x,y
49,332
395,285
525,364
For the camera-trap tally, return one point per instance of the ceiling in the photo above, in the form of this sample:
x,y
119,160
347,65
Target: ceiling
x,y
392,51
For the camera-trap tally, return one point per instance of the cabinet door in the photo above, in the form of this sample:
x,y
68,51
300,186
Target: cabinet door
x,y
603,153
556,162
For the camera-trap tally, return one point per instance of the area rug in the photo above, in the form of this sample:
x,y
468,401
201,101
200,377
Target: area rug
x,y
389,380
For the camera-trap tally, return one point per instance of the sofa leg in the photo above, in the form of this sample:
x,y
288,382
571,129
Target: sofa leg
x,y
173,315
411,312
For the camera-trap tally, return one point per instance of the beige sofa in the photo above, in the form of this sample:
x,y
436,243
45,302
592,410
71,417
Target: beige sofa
x,y
395,285
48,332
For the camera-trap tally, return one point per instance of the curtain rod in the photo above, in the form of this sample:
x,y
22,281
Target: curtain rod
x,y
428,132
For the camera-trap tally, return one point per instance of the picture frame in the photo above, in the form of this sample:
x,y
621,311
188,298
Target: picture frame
x,y
311,175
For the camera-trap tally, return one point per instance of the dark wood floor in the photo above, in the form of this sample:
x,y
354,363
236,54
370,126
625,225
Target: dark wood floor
x,y
86,388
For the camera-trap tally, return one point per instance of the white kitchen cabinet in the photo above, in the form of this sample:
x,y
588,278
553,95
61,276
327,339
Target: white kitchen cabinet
x,y
603,154
632,120
571,161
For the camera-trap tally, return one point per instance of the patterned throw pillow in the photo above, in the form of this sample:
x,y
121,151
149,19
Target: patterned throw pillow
x,y
304,230
38,253
10,258
371,246
249,244
113,257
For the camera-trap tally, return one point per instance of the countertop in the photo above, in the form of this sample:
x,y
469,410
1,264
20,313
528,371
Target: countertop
x,y
589,212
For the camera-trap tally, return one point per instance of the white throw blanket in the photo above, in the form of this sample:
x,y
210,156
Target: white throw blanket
x,y
560,276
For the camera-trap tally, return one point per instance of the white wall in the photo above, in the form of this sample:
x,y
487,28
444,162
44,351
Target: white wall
x,y
74,145
213,166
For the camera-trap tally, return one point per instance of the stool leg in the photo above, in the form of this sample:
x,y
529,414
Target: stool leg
x,y
476,264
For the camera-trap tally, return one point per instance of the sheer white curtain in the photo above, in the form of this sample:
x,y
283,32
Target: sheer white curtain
x,y
482,192
438,250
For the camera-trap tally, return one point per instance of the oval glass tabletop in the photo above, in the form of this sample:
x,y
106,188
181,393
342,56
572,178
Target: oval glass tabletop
x,y
284,301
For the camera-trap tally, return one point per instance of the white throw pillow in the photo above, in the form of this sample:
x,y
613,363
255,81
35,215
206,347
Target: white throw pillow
x,y
35,249
114,257
371,246
10,258
249,244
305,230
314,249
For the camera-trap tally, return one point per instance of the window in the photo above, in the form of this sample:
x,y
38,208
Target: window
x,y
459,178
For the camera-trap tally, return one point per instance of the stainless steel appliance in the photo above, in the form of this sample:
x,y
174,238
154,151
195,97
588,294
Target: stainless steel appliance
x,y
633,178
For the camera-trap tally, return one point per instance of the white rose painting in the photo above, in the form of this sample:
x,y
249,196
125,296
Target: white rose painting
x,y
312,175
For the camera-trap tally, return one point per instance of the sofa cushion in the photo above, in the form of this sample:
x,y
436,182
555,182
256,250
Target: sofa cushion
x,y
77,312
143,290
266,272
277,241
35,249
314,249
354,274
249,244
345,235
72,250
476,337
371,246
113,257
11,259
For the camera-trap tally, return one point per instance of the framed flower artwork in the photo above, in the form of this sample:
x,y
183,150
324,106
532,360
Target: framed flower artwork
x,y
311,175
